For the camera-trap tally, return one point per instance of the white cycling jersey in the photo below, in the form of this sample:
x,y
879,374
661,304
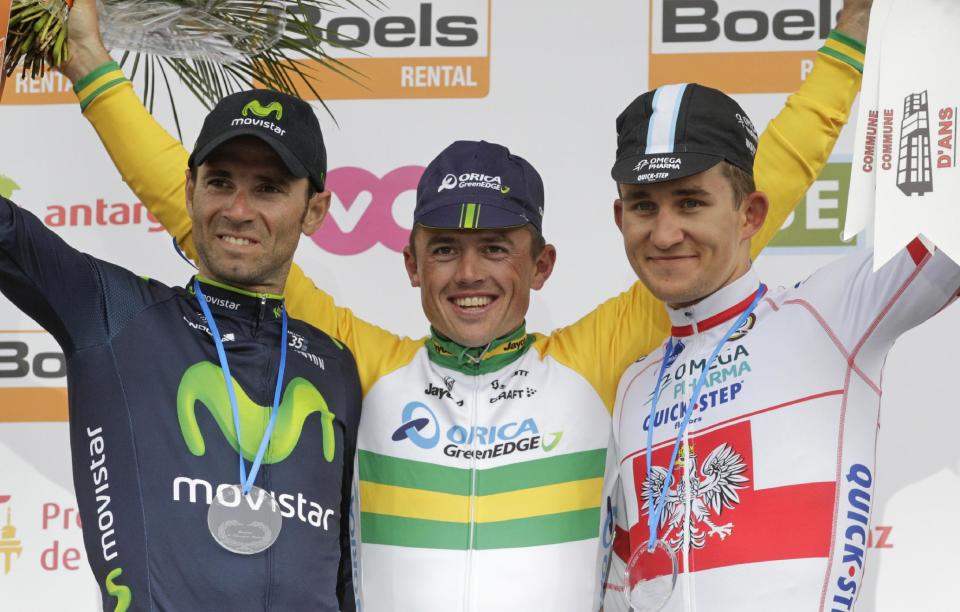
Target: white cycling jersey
x,y
492,482
773,488
496,503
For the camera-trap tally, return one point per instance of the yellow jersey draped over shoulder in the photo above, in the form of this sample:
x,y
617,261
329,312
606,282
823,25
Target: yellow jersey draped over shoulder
x,y
483,477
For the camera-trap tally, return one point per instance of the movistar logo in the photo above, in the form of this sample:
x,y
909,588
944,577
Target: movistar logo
x,y
7,186
262,111
121,592
203,382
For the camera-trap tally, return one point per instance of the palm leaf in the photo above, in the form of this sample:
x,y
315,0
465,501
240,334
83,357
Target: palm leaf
x,y
217,47
214,47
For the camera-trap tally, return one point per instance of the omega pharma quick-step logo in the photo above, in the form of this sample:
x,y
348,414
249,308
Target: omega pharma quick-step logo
x,y
738,46
407,49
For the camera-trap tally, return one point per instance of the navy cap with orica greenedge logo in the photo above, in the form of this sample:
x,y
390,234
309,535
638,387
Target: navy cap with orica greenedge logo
x,y
287,124
479,185
679,130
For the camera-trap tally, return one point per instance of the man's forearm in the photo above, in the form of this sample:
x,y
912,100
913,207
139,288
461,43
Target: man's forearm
x,y
85,50
854,19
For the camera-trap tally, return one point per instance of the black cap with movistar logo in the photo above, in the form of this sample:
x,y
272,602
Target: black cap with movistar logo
x,y
679,130
287,124
479,185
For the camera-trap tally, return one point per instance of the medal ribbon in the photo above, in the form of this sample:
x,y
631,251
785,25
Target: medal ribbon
x,y
657,508
246,483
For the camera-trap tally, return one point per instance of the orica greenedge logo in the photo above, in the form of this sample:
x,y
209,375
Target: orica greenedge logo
x,y
203,382
420,426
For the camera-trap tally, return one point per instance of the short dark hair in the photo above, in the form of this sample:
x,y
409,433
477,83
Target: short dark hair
x,y
537,241
741,182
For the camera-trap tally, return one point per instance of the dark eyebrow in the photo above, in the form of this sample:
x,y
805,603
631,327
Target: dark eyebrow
x,y
436,239
279,178
496,237
689,191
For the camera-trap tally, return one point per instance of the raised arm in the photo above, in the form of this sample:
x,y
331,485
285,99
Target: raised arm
x,y
791,153
57,286
153,164
798,141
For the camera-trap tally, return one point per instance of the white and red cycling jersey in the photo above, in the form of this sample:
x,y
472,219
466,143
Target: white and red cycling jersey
x,y
772,491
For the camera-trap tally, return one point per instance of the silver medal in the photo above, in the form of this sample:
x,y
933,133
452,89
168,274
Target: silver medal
x,y
244,524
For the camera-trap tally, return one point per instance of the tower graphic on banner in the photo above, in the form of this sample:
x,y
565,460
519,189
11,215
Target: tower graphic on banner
x,y
9,544
913,166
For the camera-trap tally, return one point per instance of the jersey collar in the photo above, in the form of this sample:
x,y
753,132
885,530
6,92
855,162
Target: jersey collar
x,y
717,308
225,299
479,359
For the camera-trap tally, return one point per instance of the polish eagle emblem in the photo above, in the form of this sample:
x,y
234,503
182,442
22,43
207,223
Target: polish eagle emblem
x,y
711,490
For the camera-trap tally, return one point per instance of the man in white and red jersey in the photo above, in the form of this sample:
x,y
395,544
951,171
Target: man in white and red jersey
x,y
763,488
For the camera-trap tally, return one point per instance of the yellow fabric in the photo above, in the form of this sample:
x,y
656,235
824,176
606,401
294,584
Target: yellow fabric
x,y
792,151
105,78
845,49
524,503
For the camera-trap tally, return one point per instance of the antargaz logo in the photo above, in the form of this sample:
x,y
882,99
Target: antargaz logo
x,y
255,107
203,382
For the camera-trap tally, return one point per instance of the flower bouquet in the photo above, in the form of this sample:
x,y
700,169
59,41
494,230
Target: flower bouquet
x,y
215,47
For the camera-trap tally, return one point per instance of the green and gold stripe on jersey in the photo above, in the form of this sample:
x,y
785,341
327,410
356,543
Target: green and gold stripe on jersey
x,y
533,503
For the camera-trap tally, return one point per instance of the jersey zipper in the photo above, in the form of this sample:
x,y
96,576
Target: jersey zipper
x,y
261,310
264,469
696,347
468,581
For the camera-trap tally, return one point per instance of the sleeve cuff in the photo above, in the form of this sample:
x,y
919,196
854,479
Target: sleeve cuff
x,y
845,49
100,80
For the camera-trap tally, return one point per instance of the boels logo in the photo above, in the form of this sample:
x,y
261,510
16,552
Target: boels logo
x,y
737,46
817,220
410,49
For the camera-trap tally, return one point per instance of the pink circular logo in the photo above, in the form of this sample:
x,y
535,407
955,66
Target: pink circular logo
x,y
361,213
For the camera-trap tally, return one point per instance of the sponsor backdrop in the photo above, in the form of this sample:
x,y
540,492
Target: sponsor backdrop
x,y
547,83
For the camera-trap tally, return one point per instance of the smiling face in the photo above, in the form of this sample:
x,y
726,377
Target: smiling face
x,y
687,238
475,284
248,212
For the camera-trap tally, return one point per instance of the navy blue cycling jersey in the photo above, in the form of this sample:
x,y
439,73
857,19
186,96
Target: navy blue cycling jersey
x,y
152,432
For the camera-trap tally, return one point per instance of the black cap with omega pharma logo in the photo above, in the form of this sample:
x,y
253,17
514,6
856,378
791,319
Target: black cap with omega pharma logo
x,y
679,130
287,124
